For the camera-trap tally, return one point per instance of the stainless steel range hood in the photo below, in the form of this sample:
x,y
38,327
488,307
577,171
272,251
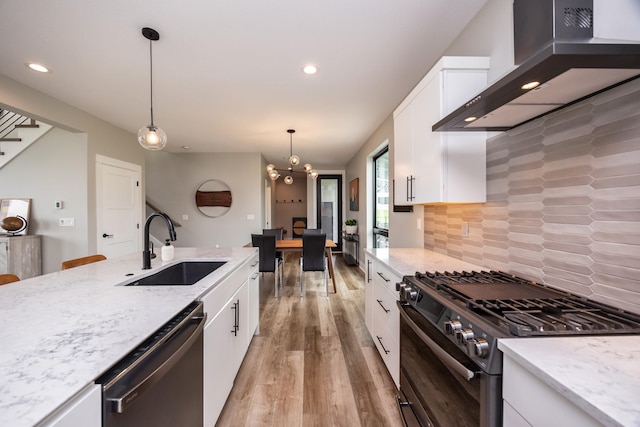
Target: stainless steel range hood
x,y
553,45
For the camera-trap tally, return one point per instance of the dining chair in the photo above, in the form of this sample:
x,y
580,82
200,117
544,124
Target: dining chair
x,y
278,233
268,262
76,262
8,278
313,258
314,231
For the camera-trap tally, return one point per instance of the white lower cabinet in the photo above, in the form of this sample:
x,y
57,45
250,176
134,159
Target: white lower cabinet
x,y
529,401
85,409
253,315
232,310
381,314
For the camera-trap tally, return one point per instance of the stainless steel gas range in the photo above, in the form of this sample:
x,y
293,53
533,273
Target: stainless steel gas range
x,y
450,366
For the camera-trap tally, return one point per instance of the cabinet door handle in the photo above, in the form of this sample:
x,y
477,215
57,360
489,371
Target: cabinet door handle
x,y
368,271
107,236
236,317
408,193
413,178
383,307
383,278
255,276
382,345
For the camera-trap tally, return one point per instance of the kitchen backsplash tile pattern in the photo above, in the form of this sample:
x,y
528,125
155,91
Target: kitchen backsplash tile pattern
x,y
563,202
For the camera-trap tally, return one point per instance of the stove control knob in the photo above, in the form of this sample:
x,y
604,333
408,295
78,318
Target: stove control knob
x,y
400,286
478,348
409,294
463,336
452,326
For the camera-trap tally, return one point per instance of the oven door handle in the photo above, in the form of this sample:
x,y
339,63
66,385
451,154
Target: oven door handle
x,y
441,354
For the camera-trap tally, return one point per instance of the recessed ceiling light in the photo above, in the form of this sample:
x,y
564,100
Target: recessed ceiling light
x,y
470,119
38,67
185,147
530,85
310,69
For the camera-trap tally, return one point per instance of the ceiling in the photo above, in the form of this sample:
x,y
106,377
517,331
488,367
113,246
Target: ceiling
x,y
227,74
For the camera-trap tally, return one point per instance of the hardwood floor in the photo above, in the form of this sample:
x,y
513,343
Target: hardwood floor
x,y
313,363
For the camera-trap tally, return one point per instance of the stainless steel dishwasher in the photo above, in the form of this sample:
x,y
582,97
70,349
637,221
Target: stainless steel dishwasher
x,y
160,383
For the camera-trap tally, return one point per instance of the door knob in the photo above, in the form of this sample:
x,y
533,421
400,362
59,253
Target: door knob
x,y
107,236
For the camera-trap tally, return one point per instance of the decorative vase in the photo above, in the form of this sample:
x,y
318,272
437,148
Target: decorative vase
x,y
351,229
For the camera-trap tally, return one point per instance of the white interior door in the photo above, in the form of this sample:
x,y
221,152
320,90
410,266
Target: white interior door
x,y
267,205
119,207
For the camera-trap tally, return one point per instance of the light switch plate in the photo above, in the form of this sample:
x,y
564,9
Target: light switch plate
x,y
67,222
465,229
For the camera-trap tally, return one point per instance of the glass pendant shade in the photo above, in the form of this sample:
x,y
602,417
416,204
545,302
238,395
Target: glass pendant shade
x,y
294,160
273,174
288,180
152,138
313,173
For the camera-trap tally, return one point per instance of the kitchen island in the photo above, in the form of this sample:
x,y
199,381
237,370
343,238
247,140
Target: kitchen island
x,y
60,331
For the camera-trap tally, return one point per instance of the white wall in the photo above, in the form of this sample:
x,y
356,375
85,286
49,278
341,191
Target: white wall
x,y
403,231
172,181
52,180
490,33
64,166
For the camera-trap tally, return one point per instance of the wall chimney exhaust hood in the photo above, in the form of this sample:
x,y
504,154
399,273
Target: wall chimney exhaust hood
x,y
558,56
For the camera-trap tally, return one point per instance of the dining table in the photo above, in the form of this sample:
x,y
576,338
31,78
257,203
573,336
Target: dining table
x,y
296,245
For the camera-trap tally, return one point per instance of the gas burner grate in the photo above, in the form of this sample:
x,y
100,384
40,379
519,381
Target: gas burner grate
x,y
525,308
564,316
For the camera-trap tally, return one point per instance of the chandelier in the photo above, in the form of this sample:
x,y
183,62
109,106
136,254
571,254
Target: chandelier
x,y
294,161
151,137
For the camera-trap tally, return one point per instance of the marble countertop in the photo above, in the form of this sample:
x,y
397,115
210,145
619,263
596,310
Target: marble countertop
x,y
60,331
406,261
601,375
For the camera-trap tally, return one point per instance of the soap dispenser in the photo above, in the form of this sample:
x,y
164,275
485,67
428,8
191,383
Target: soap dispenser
x,y
167,252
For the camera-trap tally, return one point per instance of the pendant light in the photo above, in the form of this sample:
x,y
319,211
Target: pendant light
x,y
151,137
294,160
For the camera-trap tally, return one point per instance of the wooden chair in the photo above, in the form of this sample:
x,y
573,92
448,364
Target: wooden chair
x,y
82,261
313,258
268,261
8,278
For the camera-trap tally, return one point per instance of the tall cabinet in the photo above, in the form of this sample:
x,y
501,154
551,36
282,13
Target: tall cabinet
x,y
435,167
21,255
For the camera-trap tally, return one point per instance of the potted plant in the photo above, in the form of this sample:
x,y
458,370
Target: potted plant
x,y
351,226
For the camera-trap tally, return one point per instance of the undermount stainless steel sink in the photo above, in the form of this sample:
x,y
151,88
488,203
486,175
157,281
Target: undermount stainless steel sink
x,y
184,273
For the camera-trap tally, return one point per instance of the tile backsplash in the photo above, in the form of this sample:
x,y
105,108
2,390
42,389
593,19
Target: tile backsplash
x,y
563,202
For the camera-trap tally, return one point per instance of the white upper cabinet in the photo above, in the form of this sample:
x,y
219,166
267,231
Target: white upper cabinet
x,y
437,167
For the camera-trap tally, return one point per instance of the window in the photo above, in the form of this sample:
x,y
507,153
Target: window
x,y
381,197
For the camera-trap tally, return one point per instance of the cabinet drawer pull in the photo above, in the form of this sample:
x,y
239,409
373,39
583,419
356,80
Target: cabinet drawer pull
x,y
382,345
383,307
255,263
255,276
383,278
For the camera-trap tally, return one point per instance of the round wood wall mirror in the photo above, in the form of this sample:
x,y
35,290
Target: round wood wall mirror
x,y
213,198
